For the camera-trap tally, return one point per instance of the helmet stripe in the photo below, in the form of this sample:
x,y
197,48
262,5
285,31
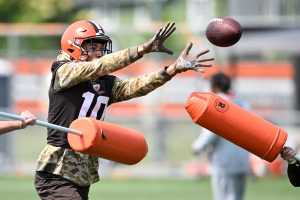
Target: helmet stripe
x,y
97,27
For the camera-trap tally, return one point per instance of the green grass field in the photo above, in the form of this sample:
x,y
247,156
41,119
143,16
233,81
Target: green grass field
x,y
28,144
16,188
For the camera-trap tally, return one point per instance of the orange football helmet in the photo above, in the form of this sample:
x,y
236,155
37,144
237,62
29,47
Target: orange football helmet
x,y
78,32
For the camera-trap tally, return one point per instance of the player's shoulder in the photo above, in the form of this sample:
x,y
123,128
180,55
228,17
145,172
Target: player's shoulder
x,y
57,64
61,59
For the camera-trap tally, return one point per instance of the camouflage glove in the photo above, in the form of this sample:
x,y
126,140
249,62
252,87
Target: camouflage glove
x,y
184,62
155,44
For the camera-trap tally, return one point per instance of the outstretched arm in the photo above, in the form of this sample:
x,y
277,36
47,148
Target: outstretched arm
x,y
139,86
7,126
72,73
142,85
203,141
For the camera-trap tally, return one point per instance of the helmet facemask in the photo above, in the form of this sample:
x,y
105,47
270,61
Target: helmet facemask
x,y
95,48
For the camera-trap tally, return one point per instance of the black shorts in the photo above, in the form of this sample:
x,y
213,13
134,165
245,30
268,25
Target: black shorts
x,y
54,187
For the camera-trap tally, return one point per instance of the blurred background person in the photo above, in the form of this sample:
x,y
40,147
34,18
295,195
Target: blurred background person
x,y
229,163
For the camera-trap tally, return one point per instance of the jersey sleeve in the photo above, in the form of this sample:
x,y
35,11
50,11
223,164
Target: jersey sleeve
x,y
73,73
138,86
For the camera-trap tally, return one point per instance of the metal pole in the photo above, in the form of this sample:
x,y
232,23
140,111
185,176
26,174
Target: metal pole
x,y
42,123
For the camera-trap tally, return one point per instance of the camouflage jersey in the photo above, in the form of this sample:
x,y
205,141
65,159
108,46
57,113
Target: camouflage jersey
x,y
84,89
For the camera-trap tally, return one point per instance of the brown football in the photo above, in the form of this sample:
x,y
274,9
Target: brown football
x,y
224,32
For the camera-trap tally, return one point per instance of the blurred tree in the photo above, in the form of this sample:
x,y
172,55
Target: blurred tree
x,y
221,7
174,10
40,11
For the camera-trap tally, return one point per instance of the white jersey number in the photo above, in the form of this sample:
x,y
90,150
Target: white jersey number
x,y
88,100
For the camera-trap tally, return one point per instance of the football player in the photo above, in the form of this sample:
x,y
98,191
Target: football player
x,y
82,86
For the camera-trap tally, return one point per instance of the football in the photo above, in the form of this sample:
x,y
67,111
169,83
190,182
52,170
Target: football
x,y
224,32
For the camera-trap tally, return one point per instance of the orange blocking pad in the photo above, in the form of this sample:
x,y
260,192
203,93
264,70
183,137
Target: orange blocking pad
x,y
237,125
109,141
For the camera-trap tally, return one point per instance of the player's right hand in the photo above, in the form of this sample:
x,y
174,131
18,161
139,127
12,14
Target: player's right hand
x,y
156,43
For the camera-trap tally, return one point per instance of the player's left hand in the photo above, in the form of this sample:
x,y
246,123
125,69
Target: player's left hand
x,y
186,62
156,43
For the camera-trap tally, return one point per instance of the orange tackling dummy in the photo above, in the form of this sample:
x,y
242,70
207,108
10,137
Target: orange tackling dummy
x,y
107,140
237,125
99,139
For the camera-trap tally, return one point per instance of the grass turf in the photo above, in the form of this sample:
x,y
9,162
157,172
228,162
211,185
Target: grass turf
x,y
15,188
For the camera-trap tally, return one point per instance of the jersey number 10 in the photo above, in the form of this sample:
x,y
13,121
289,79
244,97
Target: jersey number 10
x,y
102,101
